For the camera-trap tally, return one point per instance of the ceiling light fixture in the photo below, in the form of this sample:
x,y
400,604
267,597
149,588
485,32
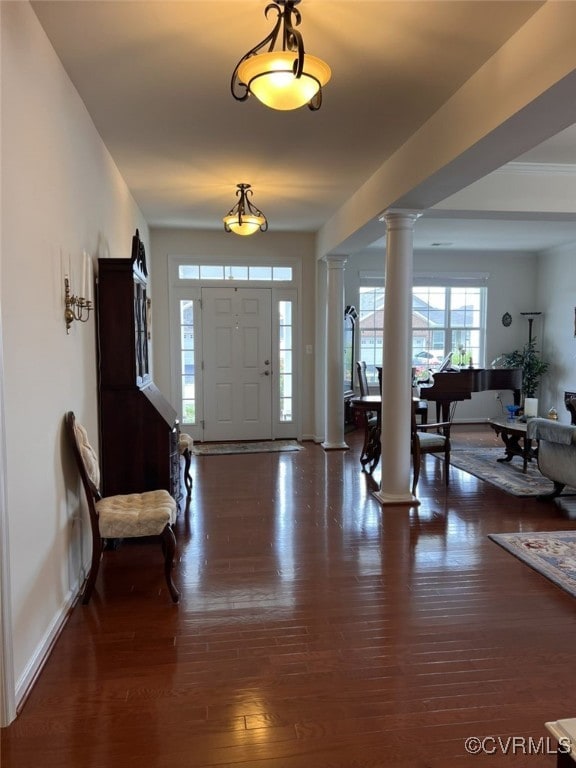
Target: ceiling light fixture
x,y
244,218
283,79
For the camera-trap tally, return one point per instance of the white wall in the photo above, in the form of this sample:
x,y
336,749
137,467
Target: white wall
x,y
220,245
511,287
61,194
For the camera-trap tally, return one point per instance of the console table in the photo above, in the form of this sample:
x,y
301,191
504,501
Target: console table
x,y
513,435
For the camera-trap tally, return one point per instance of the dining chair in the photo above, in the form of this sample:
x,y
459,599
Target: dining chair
x,y
125,516
429,438
362,378
369,418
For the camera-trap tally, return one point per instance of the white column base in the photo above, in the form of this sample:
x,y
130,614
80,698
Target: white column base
x,y
396,499
335,446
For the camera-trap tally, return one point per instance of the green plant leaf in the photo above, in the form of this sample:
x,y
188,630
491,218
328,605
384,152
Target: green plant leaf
x,y
533,367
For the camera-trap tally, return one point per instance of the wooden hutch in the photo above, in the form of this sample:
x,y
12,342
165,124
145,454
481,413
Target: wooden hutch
x,y
138,426
350,317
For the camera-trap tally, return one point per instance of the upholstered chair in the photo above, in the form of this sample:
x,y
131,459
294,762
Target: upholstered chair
x,y
126,516
429,438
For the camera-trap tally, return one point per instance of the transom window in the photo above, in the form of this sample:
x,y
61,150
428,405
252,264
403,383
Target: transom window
x,y
240,272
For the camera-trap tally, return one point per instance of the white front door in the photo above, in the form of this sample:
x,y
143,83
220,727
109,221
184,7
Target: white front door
x,y
237,369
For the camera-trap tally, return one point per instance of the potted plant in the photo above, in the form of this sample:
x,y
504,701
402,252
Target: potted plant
x,y
533,367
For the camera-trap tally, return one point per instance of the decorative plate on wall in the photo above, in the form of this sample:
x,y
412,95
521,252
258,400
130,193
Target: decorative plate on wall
x,y
506,319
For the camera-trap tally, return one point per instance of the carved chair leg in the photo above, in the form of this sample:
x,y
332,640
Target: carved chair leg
x,y
97,549
187,476
169,549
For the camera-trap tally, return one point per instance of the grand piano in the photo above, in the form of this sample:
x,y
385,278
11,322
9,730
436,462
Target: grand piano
x,y
450,387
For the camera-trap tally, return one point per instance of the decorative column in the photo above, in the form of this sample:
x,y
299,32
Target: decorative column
x,y
395,460
334,412
320,351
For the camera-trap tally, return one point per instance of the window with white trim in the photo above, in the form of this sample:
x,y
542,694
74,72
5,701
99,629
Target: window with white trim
x,y
371,329
187,369
448,317
447,320
285,359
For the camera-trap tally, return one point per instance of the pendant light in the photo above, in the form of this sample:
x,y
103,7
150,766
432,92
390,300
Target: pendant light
x,y
282,79
244,218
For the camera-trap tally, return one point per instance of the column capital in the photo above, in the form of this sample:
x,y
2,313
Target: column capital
x,y
400,218
335,259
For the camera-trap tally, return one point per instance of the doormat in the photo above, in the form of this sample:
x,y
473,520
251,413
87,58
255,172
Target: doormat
x,y
262,446
483,463
551,554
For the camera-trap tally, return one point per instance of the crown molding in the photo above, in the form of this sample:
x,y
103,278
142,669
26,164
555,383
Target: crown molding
x,y
553,169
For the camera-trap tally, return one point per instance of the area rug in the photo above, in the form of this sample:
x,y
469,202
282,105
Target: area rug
x,y
483,463
551,554
263,446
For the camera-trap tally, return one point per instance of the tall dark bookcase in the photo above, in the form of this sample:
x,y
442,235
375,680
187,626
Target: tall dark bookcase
x,y
138,426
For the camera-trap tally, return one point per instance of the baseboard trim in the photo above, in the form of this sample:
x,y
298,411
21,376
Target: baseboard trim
x,y
36,663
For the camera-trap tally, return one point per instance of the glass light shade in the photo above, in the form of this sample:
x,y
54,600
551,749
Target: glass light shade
x,y
250,224
270,77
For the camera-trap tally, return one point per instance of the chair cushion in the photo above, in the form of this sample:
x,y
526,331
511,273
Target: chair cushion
x,y
185,442
135,514
431,440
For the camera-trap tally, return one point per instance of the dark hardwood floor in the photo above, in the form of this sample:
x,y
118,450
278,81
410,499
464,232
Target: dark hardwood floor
x,y
315,630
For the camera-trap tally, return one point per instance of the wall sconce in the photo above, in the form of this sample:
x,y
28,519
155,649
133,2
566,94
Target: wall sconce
x,y
244,218
79,307
282,79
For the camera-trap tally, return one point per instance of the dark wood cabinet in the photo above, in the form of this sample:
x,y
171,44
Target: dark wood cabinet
x,y
138,426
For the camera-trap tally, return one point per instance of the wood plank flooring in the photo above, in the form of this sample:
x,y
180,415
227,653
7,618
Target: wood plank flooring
x,y
315,630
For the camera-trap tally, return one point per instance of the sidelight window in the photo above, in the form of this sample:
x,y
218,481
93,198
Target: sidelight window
x,y
187,365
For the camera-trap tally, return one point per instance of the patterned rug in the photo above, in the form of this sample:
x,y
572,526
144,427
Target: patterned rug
x,y
262,446
551,554
483,463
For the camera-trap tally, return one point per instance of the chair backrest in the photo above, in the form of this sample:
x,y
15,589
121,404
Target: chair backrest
x,y
86,458
413,422
362,380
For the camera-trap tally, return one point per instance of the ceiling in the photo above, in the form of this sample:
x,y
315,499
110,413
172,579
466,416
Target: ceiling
x,y
155,78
